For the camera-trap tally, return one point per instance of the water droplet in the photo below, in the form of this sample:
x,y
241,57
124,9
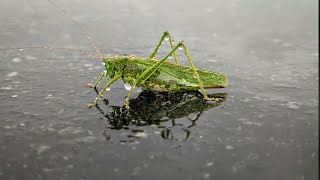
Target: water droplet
x,y
229,147
141,135
127,86
12,74
108,89
172,41
206,175
16,60
170,57
166,38
21,49
162,42
180,48
6,88
105,71
88,65
209,164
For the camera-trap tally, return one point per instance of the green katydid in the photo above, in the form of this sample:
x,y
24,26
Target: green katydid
x,y
158,75
151,73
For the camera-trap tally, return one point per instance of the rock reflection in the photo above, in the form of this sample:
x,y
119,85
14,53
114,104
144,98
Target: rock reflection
x,y
160,109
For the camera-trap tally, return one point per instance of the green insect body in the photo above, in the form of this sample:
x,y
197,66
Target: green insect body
x,y
168,77
157,75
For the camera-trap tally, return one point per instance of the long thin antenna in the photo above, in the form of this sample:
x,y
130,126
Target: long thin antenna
x,y
80,26
53,49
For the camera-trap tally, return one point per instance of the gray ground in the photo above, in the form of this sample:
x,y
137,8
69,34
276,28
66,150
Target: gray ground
x,y
267,128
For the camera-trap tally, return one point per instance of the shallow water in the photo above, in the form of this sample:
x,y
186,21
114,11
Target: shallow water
x,y
266,127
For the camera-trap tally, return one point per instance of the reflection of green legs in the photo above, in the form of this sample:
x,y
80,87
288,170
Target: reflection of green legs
x,y
98,81
114,79
166,33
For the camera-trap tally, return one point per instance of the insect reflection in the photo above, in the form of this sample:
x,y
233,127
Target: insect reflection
x,y
160,109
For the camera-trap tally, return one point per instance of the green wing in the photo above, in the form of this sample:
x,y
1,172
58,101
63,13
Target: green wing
x,y
172,77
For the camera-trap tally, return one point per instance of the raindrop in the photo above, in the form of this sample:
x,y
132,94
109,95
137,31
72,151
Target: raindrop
x,y
170,57
21,49
16,60
180,48
108,89
206,175
166,38
127,86
12,74
162,42
209,164
229,147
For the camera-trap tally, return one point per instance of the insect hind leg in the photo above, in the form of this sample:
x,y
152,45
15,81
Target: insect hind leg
x,y
129,95
195,73
164,35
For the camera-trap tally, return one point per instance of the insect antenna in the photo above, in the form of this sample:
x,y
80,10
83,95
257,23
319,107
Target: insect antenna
x,y
91,54
80,27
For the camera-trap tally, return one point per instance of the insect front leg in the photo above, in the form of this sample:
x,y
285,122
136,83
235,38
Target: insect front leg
x,y
114,79
164,35
98,81
129,94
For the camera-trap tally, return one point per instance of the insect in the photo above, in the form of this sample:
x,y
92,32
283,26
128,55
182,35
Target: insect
x,y
153,74
158,75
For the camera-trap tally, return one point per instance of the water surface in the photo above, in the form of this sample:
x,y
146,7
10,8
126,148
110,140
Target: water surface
x,y
266,127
